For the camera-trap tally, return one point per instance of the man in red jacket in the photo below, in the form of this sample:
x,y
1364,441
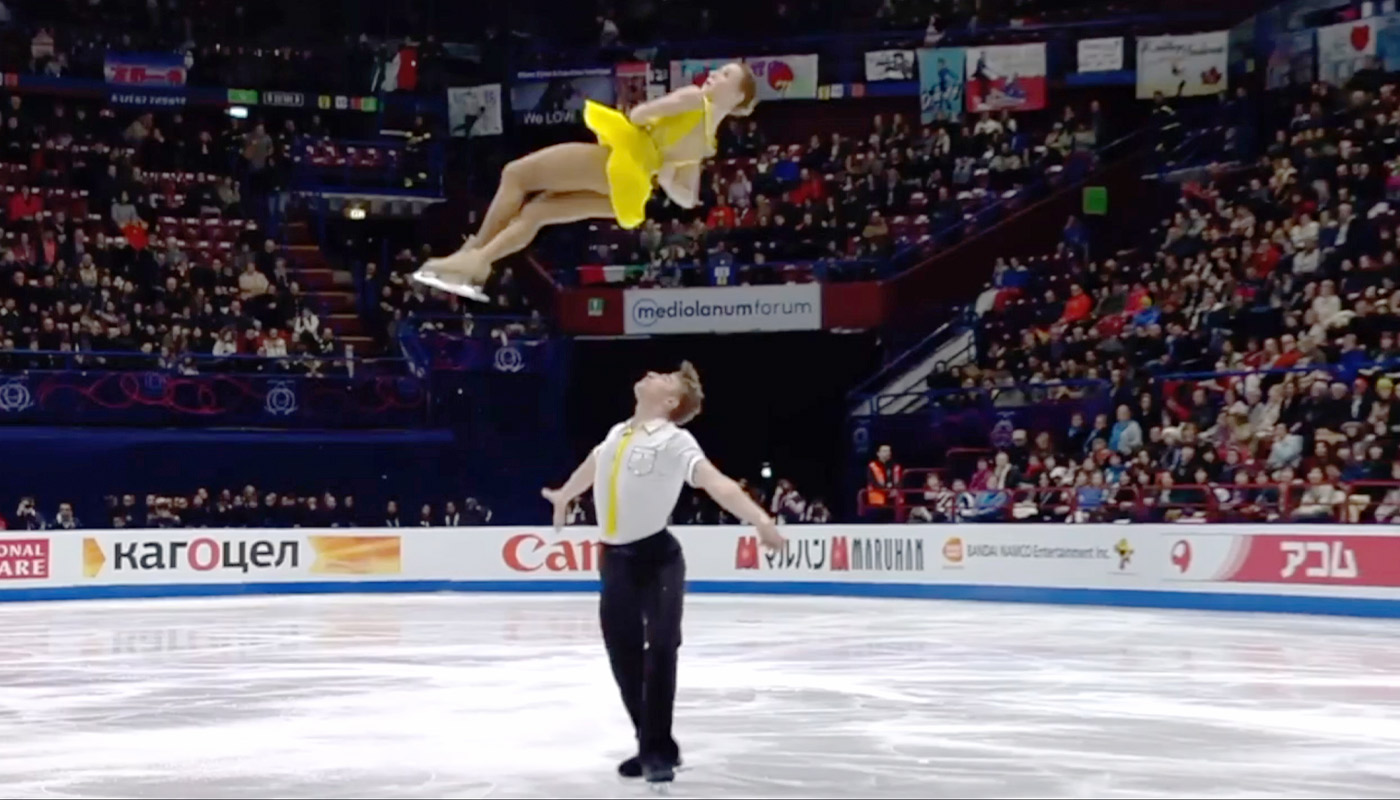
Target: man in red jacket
x,y
883,479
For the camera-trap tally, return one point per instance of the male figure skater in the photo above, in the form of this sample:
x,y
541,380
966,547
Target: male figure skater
x,y
636,474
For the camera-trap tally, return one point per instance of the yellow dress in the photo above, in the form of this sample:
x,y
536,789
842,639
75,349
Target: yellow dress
x,y
635,156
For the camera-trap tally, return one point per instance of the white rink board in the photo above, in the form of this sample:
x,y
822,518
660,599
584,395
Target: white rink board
x,y
1320,568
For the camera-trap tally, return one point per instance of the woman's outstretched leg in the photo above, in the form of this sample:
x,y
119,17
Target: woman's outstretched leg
x,y
569,167
550,208
472,267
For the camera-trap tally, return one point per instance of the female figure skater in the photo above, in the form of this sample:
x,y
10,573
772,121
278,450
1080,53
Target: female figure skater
x,y
666,139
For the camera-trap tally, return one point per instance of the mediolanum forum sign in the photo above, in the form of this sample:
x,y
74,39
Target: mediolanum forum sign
x,y
728,309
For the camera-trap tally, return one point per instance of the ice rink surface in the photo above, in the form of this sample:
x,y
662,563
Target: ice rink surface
x,y
510,696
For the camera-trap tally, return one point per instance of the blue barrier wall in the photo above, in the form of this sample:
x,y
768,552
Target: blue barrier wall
x,y
83,465
1192,601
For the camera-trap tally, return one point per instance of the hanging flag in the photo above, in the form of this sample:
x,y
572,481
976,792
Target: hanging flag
x,y
1183,66
889,65
941,84
1343,49
1101,55
474,110
1008,77
399,72
631,84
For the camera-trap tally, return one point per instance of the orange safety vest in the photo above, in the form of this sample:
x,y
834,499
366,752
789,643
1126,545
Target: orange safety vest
x,y
882,480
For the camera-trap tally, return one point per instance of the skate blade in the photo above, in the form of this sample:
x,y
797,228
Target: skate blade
x,y
432,280
660,787
663,787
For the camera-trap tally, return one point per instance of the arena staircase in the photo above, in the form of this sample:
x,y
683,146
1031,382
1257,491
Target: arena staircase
x,y
902,387
956,276
331,289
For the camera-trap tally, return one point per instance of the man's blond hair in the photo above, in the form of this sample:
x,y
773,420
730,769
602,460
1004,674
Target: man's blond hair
x,y
692,395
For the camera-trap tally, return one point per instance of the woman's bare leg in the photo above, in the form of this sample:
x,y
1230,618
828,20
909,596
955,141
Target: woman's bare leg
x,y
547,209
561,168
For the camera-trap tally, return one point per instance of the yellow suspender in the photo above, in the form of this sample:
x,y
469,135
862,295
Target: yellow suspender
x,y
610,528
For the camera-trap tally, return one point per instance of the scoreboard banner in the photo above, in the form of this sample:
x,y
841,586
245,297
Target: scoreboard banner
x,y
165,70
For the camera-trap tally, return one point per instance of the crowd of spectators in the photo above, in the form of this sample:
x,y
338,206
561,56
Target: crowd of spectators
x,y
510,316
779,496
841,207
251,507
248,508
129,235
1249,345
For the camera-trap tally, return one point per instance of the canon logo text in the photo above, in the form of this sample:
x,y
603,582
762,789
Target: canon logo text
x,y
529,552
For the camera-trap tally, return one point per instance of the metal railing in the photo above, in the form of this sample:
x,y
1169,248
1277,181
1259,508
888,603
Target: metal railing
x,y
25,361
989,216
408,170
1354,502
1010,395
472,341
973,219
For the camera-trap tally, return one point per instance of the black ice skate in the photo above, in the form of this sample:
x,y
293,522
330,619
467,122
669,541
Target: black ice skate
x,y
658,771
632,768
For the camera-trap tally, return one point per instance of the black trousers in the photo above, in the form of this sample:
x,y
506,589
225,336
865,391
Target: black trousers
x,y
643,593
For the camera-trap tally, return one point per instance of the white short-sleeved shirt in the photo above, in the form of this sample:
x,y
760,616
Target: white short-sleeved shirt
x,y
638,477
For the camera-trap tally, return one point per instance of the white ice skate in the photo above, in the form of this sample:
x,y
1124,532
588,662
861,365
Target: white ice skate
x,y
432,274
446,283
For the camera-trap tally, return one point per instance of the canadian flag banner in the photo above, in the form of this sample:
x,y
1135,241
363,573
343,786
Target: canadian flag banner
x,y
1182,66
1344,48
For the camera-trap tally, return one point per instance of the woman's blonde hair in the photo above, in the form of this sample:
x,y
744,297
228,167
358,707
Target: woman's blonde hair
x,y
748,87
692,396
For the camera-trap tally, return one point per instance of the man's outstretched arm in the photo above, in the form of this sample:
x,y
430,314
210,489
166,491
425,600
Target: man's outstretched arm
x,y
732,498
577,484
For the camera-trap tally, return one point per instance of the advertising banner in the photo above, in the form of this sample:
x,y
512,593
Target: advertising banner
x,y
632,80
658,83
555,97
1344,48
279,99
148,98
1334,558
1115,564
23,559
1291,62
737,309
779,77
145,69
224,556
342,102
1003,554
1101,55
474,110
1183,66
275,98
67,397
889,65
1005,77
1388,41
941,84
457,353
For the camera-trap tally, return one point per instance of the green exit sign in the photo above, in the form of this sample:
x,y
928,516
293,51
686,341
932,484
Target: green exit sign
x,y
1095,200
